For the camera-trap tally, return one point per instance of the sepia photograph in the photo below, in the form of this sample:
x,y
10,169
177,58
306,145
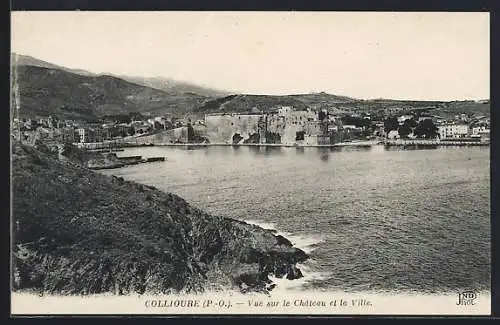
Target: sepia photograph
x,y
252,163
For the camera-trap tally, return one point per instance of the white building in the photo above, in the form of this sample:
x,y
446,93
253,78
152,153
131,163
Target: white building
x,y
480,130
82,134
284,110
393,134
453,131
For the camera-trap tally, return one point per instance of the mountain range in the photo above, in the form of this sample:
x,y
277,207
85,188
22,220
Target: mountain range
x,y
46,88
161,83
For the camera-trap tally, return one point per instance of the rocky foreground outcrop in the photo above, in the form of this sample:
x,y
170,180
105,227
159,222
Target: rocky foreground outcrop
x,y
80,232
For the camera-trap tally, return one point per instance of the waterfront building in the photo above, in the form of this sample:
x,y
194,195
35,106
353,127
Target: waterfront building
x,y
453,130
89,135
480,130
393,134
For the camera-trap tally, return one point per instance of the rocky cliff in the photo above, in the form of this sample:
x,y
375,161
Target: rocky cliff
x,y
80,232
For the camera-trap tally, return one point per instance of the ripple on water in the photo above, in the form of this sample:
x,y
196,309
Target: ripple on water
x,y
371,220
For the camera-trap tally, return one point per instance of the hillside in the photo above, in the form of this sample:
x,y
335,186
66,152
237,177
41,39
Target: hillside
x,y
334,103
47,88
23,60
247,103
450,109
80,232
168,85
45,91
171,85
339,104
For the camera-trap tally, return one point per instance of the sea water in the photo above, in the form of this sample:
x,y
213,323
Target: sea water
x,y
372,219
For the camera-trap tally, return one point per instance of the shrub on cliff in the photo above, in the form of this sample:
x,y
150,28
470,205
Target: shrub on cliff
x,y
80,232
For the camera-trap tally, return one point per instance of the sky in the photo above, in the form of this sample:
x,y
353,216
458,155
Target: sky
x,y
420,56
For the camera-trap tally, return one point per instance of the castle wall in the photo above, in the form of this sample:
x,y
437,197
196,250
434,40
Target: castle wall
x,y
287,123
177,135
222,128
281,127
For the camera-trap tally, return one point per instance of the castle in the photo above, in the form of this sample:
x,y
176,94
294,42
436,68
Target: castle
x,y
281,126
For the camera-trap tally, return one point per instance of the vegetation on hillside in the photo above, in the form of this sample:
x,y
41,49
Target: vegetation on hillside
x,y
67,95
166,84
265,103
80,232
340,105
46,88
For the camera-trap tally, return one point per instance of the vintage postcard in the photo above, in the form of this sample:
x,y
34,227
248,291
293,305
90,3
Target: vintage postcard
x,y
278,163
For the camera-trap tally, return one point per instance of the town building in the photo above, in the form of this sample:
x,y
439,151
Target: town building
x,y
141,127
480,131
84,135
69,135
89,135
453,130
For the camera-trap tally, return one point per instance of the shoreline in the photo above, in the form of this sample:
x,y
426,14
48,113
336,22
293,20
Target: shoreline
x,y
121,147
340,144
302,242
210,250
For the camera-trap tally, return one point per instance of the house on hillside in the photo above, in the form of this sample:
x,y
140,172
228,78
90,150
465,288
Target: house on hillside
x,y
142,127
69,135
403,118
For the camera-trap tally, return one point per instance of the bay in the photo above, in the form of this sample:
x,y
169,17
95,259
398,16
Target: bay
x,y
372,219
